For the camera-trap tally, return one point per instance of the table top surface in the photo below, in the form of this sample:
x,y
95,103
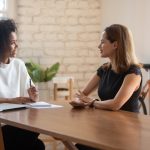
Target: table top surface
x,y
93,127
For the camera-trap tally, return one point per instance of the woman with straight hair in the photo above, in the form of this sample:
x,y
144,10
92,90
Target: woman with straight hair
x,y
119,80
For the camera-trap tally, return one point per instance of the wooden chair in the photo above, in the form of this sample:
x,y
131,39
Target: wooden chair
x,y
49,140
144,93
63,87
53,142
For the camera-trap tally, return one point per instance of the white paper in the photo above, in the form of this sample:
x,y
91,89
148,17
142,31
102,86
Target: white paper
x,y
39,104
42,104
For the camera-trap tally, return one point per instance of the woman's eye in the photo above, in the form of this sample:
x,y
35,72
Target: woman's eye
x,y
12,43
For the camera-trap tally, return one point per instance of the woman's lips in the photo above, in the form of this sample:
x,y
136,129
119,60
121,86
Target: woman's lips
x,y
13,54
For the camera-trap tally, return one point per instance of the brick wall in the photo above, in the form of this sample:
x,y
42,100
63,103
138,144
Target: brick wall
x,y
65,31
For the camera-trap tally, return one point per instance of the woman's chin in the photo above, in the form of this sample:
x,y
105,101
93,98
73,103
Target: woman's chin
x,y
102,56
13,55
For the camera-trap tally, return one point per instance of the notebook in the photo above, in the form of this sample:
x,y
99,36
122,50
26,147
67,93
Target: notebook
x,y
40,104
9,106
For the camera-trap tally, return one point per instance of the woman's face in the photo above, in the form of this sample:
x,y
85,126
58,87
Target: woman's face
x,y
13,44
107,49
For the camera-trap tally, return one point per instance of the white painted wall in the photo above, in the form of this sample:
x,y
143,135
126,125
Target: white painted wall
x,y
11,8
135,15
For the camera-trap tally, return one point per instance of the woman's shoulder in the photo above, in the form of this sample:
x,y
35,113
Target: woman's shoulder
x,y
16,61
134,69
104,67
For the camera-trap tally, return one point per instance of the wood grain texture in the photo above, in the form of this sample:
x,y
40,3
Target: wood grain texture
x,y
97,128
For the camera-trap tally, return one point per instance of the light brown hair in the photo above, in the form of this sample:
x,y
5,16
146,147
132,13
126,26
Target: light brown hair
x,y
125,53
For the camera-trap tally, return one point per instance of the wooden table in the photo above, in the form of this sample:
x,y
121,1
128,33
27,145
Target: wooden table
x,y
97,128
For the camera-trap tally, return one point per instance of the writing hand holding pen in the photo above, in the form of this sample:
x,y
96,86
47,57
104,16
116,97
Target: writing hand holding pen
x,y
33,92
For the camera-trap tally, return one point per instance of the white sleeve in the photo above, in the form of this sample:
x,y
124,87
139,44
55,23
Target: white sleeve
x,y
24,80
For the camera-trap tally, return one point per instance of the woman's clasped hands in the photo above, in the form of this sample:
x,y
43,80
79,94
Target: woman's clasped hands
x,y
81,100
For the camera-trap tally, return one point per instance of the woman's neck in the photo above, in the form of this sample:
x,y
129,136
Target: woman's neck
x,y
4,60
113,65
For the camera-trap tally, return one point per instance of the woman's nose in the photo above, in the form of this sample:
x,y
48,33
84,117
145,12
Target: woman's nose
x,y
16,45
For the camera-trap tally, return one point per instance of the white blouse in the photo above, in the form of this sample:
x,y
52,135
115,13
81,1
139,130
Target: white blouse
x,y
14,79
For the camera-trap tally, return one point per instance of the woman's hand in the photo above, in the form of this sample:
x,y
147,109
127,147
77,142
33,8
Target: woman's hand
x,y
20,100
83,98
76,103
33,93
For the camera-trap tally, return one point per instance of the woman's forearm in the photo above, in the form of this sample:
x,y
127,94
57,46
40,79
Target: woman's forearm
x,y
6,100
91,85
108,105
16,100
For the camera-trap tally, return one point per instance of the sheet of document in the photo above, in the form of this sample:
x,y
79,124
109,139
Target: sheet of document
x,y
42,104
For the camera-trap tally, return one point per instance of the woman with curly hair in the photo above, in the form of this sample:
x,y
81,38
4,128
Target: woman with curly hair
x,y
15,88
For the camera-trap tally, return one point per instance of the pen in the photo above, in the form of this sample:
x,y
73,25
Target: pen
x,y
30,82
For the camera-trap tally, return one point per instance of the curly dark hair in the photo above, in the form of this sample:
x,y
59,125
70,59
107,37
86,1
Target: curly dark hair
x,y
6,27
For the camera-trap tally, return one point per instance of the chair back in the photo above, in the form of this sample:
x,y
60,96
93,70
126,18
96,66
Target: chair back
x,y
63,87
144,93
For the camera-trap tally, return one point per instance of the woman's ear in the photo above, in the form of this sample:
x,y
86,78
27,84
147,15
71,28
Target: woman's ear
x,y
115,44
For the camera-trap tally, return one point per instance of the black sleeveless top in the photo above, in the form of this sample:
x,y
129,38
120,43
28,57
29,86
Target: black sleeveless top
x,y
110,83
